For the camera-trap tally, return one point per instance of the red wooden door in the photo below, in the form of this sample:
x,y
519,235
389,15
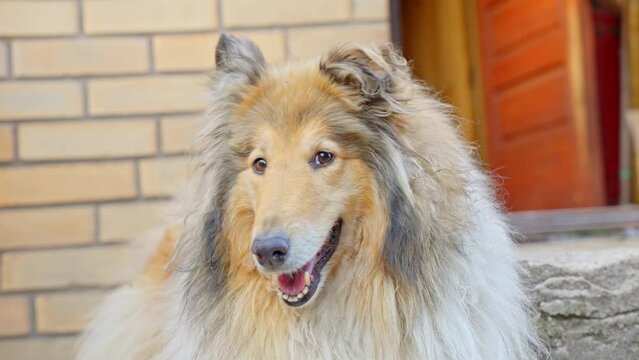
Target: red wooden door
x,y
538,90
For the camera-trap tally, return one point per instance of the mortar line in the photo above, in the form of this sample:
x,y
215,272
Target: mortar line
x,y
85,98
220,22
151,49
145,116
88,203
287,46
16,147
9,58
137,179
210,30
96,223
159,146
53,291
80,246
80,17
70,335
353,21
84,203
145,74
32,312
88,160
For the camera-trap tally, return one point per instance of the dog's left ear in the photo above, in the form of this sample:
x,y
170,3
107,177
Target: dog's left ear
x,y
239,56
377,75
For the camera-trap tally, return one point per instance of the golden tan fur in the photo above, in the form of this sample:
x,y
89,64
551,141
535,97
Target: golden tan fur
x,y
157,270
424,267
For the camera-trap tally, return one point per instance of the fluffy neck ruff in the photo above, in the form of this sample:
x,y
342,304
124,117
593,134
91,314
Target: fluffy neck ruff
x,y
361,296
250,320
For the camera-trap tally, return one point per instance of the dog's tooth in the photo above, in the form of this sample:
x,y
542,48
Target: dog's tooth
x,y
292,299
307,278
305,290
300,296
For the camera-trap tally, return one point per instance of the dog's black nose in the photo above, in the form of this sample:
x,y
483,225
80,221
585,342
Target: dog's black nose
x,y
270,250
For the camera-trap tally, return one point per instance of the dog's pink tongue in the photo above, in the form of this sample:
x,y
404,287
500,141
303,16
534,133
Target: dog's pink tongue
x,y
292,284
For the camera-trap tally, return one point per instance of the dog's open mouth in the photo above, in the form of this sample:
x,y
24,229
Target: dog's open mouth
x,y
298,288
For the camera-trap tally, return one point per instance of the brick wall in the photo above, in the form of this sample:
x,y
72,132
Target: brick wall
x,y
98,101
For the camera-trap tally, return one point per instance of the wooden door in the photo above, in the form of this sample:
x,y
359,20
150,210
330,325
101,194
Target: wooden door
x,y
435,40
539,102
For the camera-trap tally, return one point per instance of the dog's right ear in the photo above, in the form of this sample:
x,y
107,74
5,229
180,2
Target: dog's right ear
x,y
239,56
378,76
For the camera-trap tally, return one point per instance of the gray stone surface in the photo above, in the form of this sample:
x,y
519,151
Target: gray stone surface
x,y
588,299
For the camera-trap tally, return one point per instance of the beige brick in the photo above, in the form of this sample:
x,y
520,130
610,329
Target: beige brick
x,y
40,99
197,51
86,139
164,176
371,9
185,52
4,61
14,316
167,93
66,183
49,269
284,12
309,42
128,221
178,133
85,56
46,227
143,16
6,143
53,348
29,18
65,312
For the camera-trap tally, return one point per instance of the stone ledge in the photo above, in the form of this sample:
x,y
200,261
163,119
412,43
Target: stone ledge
x,y
588,299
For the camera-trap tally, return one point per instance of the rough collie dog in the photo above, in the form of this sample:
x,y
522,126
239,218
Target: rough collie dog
x,y
337,215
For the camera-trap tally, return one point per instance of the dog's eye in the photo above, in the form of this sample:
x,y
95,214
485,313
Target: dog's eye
x,y
259,166
323,158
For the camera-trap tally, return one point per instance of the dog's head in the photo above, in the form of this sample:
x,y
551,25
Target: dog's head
x,y
307,164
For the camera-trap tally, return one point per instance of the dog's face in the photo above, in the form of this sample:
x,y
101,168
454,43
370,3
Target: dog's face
x,y
301,184
315,160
